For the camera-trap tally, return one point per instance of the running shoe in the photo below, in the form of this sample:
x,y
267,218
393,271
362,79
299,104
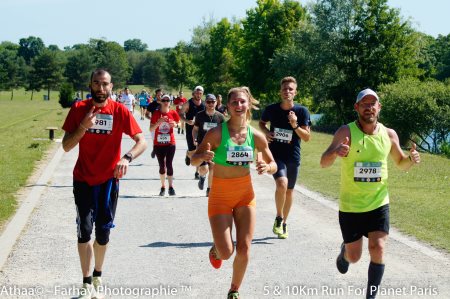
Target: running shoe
x,y
98,287
153,154
162,192
182,131
213,259
86,291
171,191
207,191
201,182
197,175
187,160
277,229
233,295
284,234
179,130
341,263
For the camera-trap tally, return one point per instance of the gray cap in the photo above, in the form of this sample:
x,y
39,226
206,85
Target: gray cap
x,y
210,96
366,92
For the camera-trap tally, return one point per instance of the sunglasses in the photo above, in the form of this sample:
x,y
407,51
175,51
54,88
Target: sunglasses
x,y
165,101
210,102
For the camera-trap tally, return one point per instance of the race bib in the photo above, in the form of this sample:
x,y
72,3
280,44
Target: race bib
x,y
163,138
282,135
103,124
180,106
208,126
239,155
367,172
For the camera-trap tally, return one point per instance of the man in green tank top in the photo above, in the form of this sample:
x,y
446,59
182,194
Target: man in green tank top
x,y
364,146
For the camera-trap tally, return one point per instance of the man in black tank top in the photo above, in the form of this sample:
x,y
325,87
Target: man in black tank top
x,y
187,114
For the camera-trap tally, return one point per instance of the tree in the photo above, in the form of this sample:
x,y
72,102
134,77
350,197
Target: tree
x,y
419,112
112,57
30,47
79,67
134,45
136,62
11,67
66,95
47,70
153,70
268,27
180,68
442,57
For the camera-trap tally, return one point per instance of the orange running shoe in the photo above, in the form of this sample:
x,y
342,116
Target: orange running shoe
x,y
215,262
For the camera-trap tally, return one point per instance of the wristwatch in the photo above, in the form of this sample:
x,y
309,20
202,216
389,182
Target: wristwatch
x,y
129,157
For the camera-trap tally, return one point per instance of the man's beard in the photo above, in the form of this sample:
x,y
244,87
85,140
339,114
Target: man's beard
x,y
98,99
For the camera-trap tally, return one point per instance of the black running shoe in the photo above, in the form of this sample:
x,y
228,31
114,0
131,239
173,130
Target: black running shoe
x,y
162,192
153,154
207,191
171,191
201,182
341,263
197,175
179,130
187,160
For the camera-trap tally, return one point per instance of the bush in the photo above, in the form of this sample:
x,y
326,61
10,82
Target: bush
x,y
66,95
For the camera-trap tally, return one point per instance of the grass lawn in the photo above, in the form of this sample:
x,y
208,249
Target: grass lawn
x,y
23,140
419,198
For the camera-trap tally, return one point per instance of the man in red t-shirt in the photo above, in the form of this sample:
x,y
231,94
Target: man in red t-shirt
x,y
97,125
178,102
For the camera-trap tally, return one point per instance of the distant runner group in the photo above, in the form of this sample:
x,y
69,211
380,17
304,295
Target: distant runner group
x,y
222,145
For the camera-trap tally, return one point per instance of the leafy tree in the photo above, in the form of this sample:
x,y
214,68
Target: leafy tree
x,y
180,68
442,56
268,27
79,67
11,67
418,111
66,95
134,45
112,57
153,70
47,70
30,47
136,62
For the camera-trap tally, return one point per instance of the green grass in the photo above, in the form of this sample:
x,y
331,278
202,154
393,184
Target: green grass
x,y
22,126
419,198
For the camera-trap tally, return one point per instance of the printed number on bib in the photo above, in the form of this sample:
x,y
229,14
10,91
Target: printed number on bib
x,y
367,172
239,155
283,135
103,124
208,126
163,138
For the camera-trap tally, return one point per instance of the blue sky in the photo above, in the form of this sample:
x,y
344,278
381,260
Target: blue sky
x,y
157,23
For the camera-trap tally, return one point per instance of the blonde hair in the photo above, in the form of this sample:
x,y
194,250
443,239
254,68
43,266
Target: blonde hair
x,y
252,101
288,79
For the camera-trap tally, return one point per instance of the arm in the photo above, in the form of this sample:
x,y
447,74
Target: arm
x,y
71,139
340,146
267,163
182,113
400,159
195,134
137,149
303,132
204,151
263,127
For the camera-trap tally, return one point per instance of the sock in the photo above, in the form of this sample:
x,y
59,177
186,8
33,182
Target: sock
x,y
376,272
87,280
97,273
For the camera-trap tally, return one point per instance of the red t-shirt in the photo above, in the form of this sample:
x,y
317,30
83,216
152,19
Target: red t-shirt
x,y
99,149
164,133
178,102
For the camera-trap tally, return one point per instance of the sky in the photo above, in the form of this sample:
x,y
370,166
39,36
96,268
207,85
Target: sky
x,y
158,23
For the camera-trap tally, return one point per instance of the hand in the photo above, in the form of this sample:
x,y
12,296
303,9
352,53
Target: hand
x,y
414,154
121,168
90,118
208,155
269,136
292,118
190,122
343,148
261,165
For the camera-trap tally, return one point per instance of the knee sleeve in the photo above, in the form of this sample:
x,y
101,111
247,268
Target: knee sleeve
x,y
102,237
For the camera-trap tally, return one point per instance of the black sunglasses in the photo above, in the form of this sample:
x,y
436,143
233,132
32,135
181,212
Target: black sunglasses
x,y
210,102
165,101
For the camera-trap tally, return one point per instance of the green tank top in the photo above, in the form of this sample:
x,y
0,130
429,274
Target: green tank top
x,y
364,171
231,154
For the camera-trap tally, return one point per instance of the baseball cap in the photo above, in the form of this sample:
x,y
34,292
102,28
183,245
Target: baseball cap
x,y
166,96
366,92
210,96
198,88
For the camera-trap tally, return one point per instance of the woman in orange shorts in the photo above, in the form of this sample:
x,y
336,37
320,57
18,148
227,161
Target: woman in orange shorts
x,y
231,146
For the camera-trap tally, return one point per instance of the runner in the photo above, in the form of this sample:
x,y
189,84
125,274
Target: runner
x,y
364,146
187,114
231,146
127,99
179,102
162,123
143,98
151,108
96,125
204,121
289,125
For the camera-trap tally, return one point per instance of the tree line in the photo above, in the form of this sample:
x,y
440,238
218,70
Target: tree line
x,y
333,47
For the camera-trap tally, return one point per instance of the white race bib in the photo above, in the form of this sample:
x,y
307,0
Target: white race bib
x,y
163,138
239,155
367,172
208,126
283,135
103,124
